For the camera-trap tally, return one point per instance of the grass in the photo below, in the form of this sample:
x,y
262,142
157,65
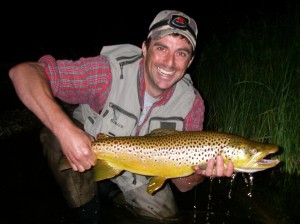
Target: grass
x,y
250,83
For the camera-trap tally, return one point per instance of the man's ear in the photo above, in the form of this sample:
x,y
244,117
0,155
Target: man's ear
x,y
144,48
190,62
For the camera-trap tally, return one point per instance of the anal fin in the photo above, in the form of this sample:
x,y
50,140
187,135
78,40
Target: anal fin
x,y
155,183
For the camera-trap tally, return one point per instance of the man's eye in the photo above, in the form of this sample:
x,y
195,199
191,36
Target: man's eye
x,y
182,54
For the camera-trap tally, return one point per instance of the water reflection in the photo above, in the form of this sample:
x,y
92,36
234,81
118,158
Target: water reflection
x,y
246,198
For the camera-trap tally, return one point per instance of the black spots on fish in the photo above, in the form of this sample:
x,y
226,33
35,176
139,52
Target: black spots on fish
x,y
212,140
115,152
193,156
226,151
187,152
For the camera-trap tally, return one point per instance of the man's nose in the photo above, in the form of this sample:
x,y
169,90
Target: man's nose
x,y
170,60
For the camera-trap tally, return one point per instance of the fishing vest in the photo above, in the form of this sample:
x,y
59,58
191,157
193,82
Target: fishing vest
x,y
122,110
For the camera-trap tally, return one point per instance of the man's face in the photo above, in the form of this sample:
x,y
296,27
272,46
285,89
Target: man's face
x,y
166,61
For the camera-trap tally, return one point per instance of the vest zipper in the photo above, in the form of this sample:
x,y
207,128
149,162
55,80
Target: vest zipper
x,y
128,60
121,110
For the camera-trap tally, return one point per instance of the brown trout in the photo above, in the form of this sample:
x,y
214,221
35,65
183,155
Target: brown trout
x,y
164,154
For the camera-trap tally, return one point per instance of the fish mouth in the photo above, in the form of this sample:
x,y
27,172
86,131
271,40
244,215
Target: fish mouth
x,y
259,162
260,165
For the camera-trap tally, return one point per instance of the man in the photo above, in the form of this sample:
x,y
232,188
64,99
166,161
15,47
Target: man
x,y
121,92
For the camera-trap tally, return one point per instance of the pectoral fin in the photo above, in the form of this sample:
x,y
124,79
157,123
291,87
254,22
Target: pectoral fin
x,y
104,170
155,183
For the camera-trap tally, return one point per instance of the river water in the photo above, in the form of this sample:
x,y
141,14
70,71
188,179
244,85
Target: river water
x,y
30,195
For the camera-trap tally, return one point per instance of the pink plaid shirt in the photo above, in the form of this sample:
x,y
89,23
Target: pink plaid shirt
x,y
88,81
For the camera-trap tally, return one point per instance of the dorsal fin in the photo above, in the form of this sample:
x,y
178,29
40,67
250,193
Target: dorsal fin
x,y
101,136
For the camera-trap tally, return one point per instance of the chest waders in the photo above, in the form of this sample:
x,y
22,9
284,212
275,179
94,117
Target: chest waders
x,y
79,189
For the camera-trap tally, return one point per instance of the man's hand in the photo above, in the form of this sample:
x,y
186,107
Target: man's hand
x,y
76,146
214,168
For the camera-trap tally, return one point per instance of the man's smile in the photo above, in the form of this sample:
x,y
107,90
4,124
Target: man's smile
x,y
164,72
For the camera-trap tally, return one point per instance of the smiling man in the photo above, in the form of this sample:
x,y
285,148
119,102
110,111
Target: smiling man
x,y
124,91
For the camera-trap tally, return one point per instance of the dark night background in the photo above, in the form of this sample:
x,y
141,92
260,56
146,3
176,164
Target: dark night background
x,y
73,29
70,30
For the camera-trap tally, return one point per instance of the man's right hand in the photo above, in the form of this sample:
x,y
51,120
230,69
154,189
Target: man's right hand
x,y
76,146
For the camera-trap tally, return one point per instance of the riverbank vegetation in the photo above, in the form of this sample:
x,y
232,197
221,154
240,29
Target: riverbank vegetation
x,y
250,81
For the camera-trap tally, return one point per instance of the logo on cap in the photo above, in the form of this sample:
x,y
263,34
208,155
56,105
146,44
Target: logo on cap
x,y
179,22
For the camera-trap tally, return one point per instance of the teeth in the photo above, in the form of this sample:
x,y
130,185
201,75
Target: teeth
x,y
164,72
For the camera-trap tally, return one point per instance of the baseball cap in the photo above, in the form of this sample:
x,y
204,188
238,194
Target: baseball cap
x,y
171,21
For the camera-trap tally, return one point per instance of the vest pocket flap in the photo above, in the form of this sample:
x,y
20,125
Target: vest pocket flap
x,y
119,122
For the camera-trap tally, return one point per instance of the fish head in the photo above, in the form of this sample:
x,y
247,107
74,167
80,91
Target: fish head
x,y
251,156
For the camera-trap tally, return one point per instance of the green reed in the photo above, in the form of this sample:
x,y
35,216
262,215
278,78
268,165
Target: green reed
x,y
251,84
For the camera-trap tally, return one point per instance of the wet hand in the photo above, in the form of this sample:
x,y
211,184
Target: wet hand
x,y
77,148
216,168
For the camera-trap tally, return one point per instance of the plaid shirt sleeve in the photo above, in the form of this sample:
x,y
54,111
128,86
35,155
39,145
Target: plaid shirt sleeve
x,y
84,81
194,119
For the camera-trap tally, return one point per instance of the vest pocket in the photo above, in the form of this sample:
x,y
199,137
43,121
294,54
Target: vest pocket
x,y
119,122
172,123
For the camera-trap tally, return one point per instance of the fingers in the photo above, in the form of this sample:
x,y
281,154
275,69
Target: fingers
x,y
229,169
209,171
87,161
83,160
83,166
220,167
217,168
